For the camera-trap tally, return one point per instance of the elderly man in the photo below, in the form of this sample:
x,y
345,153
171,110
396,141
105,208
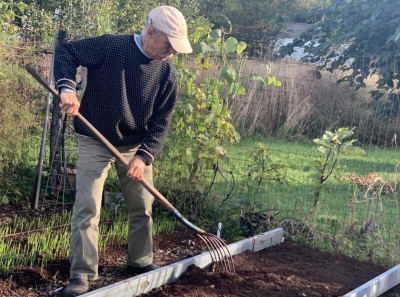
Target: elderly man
x,y
129,97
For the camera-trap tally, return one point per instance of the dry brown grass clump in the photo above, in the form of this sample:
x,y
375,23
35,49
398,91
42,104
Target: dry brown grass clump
x,y
373,182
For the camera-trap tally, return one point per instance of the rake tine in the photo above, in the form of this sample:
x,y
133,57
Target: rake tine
x,y
220,260
227,255
210,249
226,258
217,247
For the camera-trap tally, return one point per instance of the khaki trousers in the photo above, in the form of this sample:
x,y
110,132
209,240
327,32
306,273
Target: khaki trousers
x,y
93,164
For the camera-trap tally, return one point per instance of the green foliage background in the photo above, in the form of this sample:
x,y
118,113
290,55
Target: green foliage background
x,y
19,108
258,23
370,31
37,20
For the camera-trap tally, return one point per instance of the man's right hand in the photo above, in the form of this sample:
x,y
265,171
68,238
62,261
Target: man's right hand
x,y
69,103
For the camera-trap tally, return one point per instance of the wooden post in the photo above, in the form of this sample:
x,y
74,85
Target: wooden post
x,y
59,38
56,130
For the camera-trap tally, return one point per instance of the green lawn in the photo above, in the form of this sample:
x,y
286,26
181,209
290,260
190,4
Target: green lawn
x,y
296,156
295,198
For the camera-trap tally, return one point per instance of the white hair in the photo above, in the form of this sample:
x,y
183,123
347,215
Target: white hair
x,y
147,26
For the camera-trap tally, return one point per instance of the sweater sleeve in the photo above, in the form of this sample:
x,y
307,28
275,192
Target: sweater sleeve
x,y
158,125
89,52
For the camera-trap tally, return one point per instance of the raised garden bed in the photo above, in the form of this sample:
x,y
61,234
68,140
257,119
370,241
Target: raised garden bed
x,y
282,270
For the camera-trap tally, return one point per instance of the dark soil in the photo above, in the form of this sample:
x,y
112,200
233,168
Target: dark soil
x,y
283,270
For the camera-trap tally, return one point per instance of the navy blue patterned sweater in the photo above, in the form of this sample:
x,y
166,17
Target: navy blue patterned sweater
x,y
129,98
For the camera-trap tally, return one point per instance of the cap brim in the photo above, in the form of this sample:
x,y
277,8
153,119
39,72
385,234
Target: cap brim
x,y
181,45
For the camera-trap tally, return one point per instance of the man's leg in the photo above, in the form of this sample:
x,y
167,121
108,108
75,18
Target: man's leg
x,y
139,202
92,167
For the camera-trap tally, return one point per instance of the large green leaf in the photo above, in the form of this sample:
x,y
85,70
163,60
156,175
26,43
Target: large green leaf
x,y
202,47
323,150
220,150
241,90
323,143
229,74
215,48
216,33
257,78
241,47
231,45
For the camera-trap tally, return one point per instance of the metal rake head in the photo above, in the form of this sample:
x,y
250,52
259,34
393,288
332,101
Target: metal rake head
x,y
221,258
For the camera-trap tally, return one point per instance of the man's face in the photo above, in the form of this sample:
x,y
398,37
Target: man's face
x,y
160,46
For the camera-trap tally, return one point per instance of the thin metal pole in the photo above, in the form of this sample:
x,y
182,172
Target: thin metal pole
x,y
45,127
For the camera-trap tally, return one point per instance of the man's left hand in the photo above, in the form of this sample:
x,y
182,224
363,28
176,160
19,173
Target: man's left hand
x,y
136,169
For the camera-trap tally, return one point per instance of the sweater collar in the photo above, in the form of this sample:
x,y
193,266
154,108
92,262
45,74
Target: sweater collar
x,y
138,40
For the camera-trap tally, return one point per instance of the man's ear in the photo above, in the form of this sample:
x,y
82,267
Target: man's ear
x,y
151,33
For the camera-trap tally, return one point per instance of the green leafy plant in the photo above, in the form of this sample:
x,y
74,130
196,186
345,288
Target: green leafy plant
x,y
201,125
202,121
263,169
231,55
332,146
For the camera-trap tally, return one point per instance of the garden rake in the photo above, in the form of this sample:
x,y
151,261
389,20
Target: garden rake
x,y
221,258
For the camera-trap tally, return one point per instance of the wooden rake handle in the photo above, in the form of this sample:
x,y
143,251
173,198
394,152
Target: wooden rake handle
x,y
97,135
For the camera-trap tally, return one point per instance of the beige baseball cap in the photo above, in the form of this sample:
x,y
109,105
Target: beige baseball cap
x,y
170,21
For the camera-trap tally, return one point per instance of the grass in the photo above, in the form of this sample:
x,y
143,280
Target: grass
x,y
40,241
295,197
296,156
